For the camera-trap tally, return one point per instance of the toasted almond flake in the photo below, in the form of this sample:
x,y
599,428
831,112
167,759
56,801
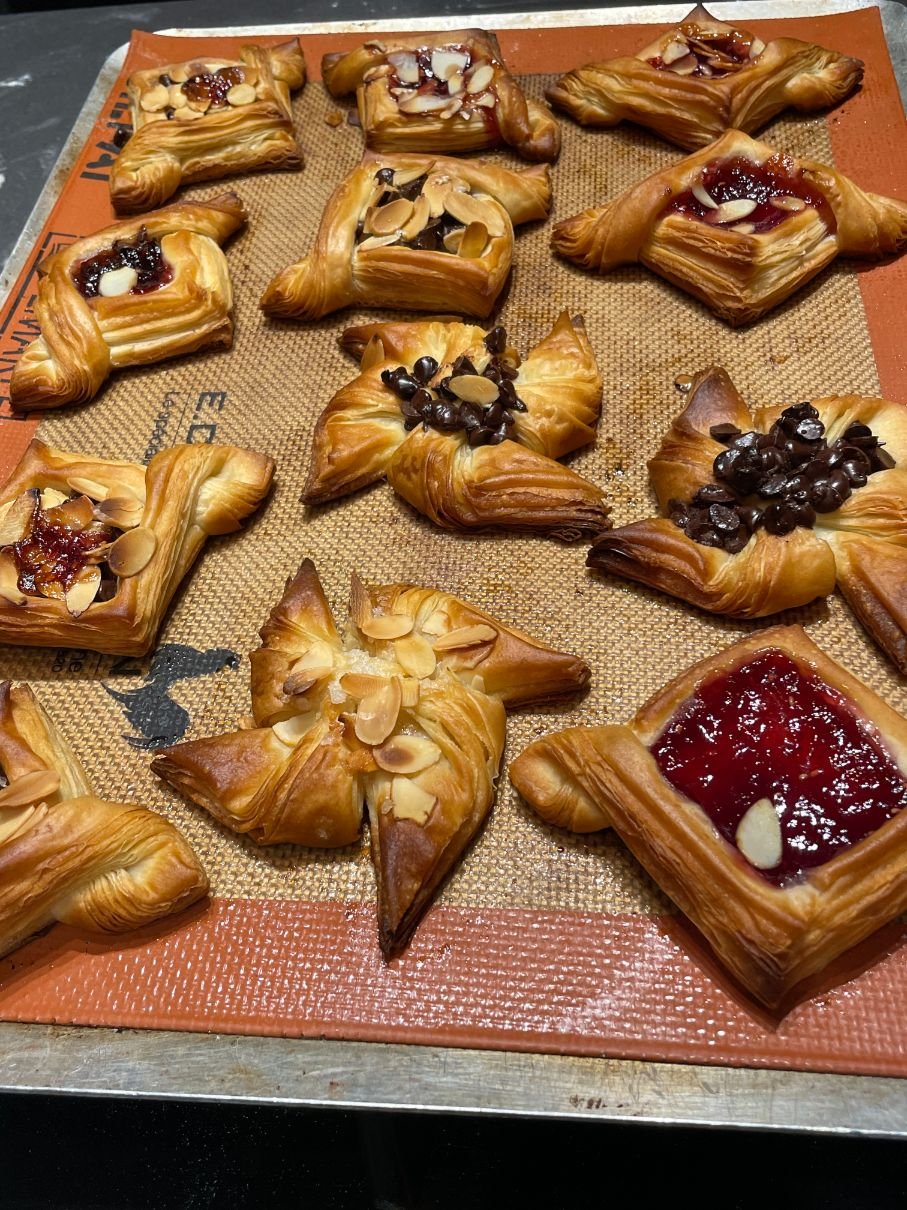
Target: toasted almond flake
x,y
179,74
406,66
487,100
479,78
398,92
386,626
155,98
197,105
410,692
378,713
419,220
389,218
87,487
132,552
446,63
467,208
117,282
731,212
436,623
378,241
360,601
422,102
474,388
758,835
372,354
176,97
360,684
81,593
125,512
474,241
756,48
18,518
435,190
703,197
9,580
454,84
51,498
241,94
465,636
794,204
415,656
744,228
75,515
406,176
312,666
29,789
675,49
452,108
453,239
291,730
685,66
411,801
407,754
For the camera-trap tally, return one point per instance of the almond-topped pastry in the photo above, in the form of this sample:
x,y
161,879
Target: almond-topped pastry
x,y
423,233
768,509
763,790
134,293
703,77
405,714
465,431
738,225
68,856
207,118
447,93
93,550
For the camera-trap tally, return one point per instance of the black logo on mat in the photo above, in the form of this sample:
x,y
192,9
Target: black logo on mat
x,y
149,708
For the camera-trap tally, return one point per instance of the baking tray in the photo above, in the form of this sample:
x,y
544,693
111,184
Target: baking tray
x,y
392,1076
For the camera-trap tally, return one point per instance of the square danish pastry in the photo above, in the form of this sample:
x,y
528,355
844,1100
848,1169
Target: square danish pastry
x,y
763,790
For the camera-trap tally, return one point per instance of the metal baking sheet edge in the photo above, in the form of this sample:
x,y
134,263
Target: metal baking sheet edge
x,y
358,1075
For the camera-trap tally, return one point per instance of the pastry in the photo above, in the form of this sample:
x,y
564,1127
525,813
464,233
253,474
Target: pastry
x,y
68,856
406,714
449,93
204,119
137,292
462,430
778,828
738,225
423,233
92,550
702,77
768,511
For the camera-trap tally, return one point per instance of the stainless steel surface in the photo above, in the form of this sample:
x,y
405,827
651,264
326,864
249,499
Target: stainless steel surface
x,y
214,1067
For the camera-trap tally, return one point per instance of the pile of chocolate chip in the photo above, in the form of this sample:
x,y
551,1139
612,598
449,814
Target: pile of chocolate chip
x,y
792,471
142,254
431,237
441,408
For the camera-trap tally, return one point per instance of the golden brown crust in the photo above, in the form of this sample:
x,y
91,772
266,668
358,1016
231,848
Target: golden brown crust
x,y
101,866
251,136
361,435
82,341
738,275
315,758
339,271
186,494
692,110
770,938
499,114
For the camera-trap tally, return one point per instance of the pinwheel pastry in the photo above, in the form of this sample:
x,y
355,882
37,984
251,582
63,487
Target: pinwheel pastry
x,y
462,430
777,828
423,233
92,550
407,715
449,93
738,225
204,119
704,77
137,292
68,856
767,511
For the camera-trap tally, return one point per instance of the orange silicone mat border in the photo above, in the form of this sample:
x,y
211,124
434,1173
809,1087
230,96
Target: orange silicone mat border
x,y
558,982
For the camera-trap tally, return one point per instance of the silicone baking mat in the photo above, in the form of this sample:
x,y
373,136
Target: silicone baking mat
x,y
540,940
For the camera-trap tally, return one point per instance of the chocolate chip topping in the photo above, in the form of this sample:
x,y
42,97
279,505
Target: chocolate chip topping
x,y
791,470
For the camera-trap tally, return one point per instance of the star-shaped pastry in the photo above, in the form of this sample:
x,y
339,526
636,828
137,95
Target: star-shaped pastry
x,y
405,714
463,430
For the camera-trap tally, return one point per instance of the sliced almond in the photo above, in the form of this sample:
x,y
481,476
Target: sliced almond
x,y
29,789
467,208
189,114
744,228
419,221
410,692
435,190
794,204
88,487
703,197
453,239
18,518
117,281
475,388
759,837
378,241
360,601
452,108
360,684
385,626
391,217
685,66
446,63
436,623
291,730
406,66
487,100
125,512
179,74
731,212
454,84
241,94
83,591
132,552
465,636
407,754
51,498
406,176
9,580
410,801
155,99
474,241
422,102
372,354
197,105
314,665
756,48
177,98
378,713
479,78
675,49
415,656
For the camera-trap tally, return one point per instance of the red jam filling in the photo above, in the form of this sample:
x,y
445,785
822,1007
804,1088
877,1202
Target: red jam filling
x,y
431,85
213,86
716,55
739,179
142,254
771,729
50,557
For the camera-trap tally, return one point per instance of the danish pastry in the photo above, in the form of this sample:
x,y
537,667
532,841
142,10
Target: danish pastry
x,y
767,512
200,120
462,430
447,93
702,78
92,550
137,292
423,233
407,714
68,856
738,225
778,828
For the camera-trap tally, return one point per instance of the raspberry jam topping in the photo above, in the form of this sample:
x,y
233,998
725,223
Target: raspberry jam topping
x,y
692,51
755,198
771,729
142,254
213,86
56,549
443,81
